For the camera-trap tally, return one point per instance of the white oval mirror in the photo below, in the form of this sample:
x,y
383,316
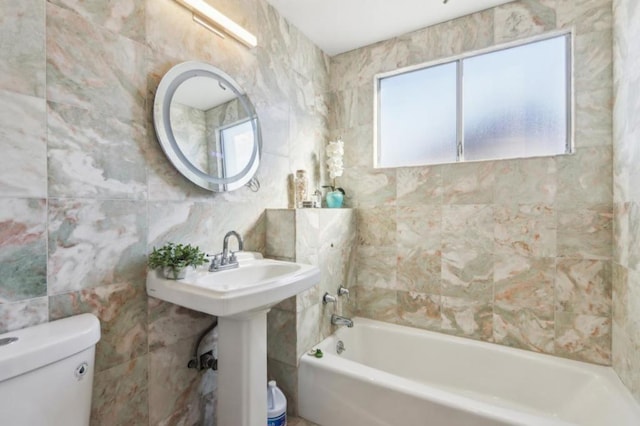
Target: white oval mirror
x,y
207,127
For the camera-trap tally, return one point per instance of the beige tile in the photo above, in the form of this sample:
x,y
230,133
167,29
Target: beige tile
x,y
525,230
467,317
419,185
526,181
447,39
177,398
376,267
90,155
93,68
585,233
467,251
120,394
378,303
23,132
584,286
523,329
169,323
585,15
122,311
469,183
419,227
419,270
419,310
22,58
281,234
95,243
307,330
525,283
125,17
286,377
518,20
585,178
369,187
27,313
376,226
282,336
583,337
23,251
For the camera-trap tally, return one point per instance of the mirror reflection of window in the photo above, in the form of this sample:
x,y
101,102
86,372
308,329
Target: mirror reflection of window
x,y
237,144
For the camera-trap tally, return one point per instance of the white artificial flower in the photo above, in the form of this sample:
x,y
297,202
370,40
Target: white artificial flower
x,y
335,148
335,151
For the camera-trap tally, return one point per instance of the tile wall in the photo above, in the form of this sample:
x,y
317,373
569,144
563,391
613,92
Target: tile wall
x,y
626,247
515,252
86,192
322,237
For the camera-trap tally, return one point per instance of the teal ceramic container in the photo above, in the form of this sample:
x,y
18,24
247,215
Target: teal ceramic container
x,y
334,199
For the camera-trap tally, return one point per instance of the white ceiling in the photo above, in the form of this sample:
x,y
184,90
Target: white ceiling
x,y
337,26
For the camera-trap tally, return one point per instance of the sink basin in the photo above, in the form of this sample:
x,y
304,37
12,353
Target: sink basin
x,y
256,284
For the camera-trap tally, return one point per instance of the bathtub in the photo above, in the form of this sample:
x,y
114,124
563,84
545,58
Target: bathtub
x,y
400,376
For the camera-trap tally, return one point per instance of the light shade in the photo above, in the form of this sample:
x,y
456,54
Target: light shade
x,y
207,12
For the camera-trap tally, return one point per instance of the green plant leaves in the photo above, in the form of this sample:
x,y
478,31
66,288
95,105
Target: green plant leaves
x,y
176,256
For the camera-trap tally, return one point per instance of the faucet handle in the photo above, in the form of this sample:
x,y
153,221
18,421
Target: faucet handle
x,y
343,291
233,258
215,262
327,298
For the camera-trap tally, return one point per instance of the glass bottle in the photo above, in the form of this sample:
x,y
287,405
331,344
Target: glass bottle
x,y
301,187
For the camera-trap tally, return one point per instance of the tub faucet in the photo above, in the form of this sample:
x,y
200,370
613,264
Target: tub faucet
x,y
224,261
340,320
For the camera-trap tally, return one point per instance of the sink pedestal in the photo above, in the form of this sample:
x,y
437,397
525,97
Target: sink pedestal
x,y
242,369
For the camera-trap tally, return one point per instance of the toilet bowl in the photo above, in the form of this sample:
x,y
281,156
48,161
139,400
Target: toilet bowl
x,y
46,373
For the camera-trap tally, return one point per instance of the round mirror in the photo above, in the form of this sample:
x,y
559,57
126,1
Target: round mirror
x,y
207,127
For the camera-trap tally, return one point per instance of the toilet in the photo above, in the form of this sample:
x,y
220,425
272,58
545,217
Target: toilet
x,y
46,373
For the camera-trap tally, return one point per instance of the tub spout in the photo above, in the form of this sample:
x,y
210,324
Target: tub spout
x,y
340,320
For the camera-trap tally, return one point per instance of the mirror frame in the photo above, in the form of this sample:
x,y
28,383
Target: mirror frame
x,y
162,123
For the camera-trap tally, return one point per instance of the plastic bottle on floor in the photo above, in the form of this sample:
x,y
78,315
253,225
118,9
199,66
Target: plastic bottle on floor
x,y
276,405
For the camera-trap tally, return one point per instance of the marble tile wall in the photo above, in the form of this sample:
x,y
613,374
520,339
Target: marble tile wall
x,y
322,237
626,247
86,192
514,252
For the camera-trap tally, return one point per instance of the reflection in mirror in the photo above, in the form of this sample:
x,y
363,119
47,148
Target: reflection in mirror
x,y
211,130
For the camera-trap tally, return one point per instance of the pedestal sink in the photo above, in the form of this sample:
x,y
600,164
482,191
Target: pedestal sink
x,y
240,298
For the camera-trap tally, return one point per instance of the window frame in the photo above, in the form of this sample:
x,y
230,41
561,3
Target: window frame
x,y
459,60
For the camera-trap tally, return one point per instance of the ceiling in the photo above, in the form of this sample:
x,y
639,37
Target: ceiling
x,y
337,26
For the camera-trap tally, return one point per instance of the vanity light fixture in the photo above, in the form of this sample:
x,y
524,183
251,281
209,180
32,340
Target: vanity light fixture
x,y
212,19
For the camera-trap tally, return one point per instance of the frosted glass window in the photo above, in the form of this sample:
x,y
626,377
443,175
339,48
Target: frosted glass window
x,y
515,102
418,117
512,102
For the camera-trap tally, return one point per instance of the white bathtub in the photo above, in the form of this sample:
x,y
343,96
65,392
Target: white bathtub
x,y
401,376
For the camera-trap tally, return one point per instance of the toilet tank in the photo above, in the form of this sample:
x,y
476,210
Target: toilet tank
x,y
46,373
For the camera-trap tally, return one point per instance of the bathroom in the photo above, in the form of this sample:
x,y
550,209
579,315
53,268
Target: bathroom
x,y
87,192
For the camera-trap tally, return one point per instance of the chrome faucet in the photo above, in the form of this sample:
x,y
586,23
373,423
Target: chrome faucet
x,y
225,247
340,320
223,261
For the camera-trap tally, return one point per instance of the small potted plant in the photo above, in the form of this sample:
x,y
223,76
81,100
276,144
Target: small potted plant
x,y
335,165
175,258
